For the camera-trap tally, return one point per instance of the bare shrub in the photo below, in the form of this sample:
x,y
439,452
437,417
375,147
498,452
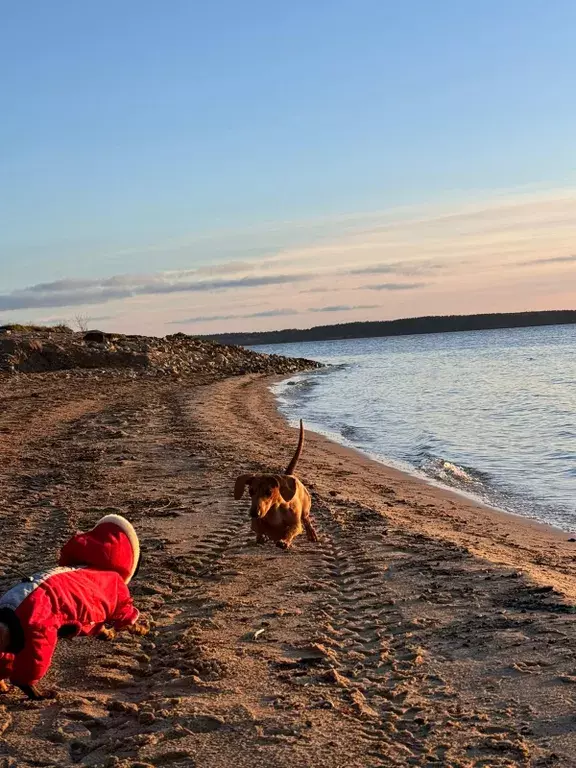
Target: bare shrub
x,y
82,322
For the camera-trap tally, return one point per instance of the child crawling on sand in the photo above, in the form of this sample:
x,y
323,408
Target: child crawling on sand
x,y
81,597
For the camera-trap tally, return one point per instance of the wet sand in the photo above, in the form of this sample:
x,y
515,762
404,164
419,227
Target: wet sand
x,y
423,629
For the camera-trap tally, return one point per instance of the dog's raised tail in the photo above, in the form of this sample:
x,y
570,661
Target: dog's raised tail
x,y
292,466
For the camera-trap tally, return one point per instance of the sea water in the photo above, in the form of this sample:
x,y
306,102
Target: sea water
x,y
488,413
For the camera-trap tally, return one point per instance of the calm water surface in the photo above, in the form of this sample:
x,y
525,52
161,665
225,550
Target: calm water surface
x,y
490,413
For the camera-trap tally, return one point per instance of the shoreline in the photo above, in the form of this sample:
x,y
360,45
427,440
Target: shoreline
x,y
541,551
415,474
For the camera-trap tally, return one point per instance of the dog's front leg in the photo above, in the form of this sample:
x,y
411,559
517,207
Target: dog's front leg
x,y
257,528
311,534
289,536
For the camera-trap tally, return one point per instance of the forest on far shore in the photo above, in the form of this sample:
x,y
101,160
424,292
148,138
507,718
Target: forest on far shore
x,y
402,327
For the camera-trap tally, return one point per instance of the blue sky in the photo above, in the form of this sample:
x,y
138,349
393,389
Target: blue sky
x,y
143,138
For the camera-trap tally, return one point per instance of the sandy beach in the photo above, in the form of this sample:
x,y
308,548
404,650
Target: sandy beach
x,y
423,630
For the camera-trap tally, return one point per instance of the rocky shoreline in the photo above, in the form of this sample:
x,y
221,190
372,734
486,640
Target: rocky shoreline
x,y
33,349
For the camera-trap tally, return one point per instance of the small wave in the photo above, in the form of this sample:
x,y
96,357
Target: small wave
x,y
330,367
455,471
350,432
451,473
303,386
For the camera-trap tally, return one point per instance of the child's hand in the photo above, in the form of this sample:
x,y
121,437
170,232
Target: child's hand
x,y
141,627
50,694
34,693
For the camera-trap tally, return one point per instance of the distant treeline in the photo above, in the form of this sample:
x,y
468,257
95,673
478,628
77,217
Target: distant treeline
x,y
404,327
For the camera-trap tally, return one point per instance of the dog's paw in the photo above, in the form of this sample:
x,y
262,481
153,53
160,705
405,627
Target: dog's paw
x,y
4,687
106,634
282,544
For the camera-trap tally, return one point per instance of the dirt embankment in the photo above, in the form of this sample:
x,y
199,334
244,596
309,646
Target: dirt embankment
x,y
36,349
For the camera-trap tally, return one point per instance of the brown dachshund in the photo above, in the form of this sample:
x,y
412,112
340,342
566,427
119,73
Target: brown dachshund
x,y
280,508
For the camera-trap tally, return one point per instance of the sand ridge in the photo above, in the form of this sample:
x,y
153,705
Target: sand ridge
x,y
423,629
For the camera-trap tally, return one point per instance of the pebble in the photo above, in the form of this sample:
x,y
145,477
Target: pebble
x,y
68,730
123,706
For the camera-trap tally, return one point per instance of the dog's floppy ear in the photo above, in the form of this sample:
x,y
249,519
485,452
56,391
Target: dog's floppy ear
x,y
240,485
287,487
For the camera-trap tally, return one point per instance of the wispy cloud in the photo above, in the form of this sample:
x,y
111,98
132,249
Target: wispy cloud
x,y
322,289
549,260
227,268
398,268
344,308
70,293
395,286
209,318
272,313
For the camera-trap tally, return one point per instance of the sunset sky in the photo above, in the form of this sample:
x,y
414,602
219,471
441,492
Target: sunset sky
x,y
247,166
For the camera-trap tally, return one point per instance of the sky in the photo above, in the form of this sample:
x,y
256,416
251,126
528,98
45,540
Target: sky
x,y
206,167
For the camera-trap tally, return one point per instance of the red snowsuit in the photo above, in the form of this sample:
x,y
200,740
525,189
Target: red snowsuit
x,y
88,591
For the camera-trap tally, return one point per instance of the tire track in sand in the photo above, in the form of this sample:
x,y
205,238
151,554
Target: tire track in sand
x,y
376,666
404,709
